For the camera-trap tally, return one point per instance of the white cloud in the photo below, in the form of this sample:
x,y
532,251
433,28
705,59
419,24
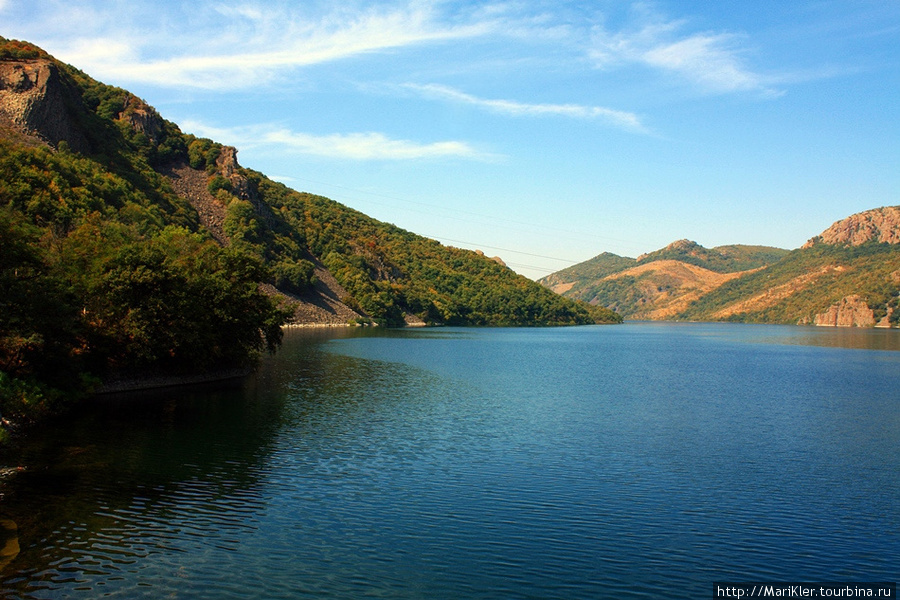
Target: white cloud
x,y
367,146
251,45
352,146
252,13
619,118
712,61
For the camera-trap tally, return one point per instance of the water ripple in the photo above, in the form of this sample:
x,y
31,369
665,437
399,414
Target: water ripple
x,y
479,464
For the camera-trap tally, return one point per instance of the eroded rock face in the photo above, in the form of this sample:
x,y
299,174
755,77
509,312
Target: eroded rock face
x,y
851,311
227,166
879,225
32,96
142,117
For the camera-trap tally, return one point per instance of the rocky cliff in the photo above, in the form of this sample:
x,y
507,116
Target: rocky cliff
x,y
852,311
33,97
877,225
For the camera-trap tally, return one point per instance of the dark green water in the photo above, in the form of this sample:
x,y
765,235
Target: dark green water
x,y
637,461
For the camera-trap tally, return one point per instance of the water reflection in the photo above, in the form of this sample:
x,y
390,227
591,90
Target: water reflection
x,y
132,476
853,338
9,541
832,337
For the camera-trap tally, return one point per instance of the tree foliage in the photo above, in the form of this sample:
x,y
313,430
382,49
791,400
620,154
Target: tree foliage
x,y
103,270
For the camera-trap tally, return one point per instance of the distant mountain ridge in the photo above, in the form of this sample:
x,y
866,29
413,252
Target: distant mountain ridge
x,y
721,259
849,275
658,284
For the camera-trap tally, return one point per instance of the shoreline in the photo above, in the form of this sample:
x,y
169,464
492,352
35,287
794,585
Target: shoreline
x,y
127,385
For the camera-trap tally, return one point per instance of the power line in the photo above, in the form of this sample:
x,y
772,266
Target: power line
x,y
566,260
481,216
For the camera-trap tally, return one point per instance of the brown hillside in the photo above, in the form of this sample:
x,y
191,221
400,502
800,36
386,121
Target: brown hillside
x,y
773,295
667,287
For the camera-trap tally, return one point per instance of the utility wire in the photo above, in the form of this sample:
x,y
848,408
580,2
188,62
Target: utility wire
x,y
442,239
481,216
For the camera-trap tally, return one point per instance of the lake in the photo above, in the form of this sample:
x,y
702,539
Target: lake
x,y
644,460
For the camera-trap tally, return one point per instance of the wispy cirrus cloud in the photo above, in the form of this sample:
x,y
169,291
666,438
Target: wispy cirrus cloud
x,y
231,46
711,61
348,146
619,118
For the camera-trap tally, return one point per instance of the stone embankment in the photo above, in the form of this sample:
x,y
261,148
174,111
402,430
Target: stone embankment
x,y
119,385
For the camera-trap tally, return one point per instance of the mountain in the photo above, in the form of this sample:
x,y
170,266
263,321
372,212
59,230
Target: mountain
x,y
849,275
721,259
878,225
131,247
573,280
660,284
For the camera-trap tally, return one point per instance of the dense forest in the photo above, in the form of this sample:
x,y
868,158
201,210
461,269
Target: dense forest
x,y
105,270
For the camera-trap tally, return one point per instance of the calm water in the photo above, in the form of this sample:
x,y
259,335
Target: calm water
x,y
636,461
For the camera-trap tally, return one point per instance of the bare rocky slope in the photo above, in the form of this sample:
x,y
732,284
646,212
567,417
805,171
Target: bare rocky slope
x,y
320,305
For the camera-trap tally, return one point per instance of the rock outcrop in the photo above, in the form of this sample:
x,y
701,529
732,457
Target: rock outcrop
x,y
142,117
496,259
878,225
851,311
685,246
33,97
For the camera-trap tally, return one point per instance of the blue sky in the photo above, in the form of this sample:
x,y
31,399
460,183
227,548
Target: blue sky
x,y
545,132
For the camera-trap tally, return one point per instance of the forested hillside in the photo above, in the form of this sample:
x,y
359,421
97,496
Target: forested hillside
x,y
130,247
